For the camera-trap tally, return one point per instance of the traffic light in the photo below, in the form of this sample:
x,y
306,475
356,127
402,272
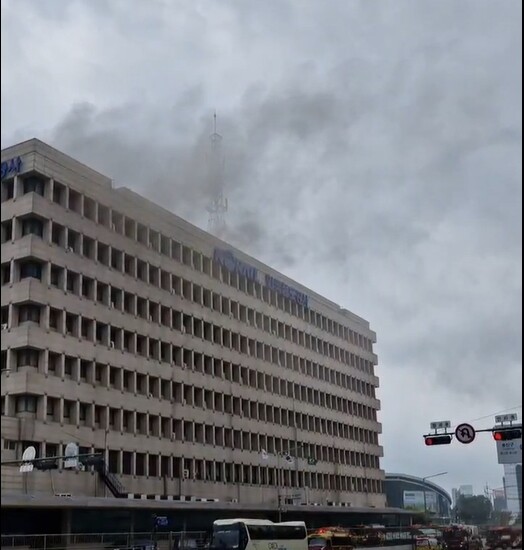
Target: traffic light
x,y
431,440
507,434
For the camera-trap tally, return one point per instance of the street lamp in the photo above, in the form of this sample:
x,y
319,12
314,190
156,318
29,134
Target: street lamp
x,y
424,488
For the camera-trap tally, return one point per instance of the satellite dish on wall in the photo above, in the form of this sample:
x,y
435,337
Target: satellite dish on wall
x,y
27,457
264,454
71,454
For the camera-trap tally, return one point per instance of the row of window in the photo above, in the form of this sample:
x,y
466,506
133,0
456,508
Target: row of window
x,y
133,304
153,348
111,419
176,467
123,225
155,387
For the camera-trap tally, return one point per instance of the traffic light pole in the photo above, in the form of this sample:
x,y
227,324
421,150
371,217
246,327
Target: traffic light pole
x,y
500,433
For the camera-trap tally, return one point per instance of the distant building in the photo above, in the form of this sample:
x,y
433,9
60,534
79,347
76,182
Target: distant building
x,y
466,490
414,493
463,490
513,488
499,500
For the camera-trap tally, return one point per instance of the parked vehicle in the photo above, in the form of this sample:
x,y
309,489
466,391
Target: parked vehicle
x,y
504,537
460,537
331,538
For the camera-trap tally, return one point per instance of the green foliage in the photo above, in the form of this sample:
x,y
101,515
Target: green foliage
x,y
474,510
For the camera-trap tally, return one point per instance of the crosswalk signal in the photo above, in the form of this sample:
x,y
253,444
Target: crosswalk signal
x,y
432,440
507,434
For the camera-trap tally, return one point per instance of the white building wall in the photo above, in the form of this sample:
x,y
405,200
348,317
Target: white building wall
x,y
121,331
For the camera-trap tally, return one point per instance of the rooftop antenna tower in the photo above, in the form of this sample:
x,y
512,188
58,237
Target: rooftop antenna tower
x,y
217,208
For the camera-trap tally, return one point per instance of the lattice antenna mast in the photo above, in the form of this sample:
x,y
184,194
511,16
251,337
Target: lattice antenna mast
x,y
218,206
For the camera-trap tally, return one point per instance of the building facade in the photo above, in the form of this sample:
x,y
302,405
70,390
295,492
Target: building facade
x,y
418,494
513,488
195,370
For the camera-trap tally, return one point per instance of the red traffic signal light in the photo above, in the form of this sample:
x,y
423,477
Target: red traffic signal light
x,y
507,435
431,440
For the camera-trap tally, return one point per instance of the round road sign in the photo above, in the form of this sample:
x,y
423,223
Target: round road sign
x,y
465,433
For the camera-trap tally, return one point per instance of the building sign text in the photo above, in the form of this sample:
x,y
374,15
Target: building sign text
x,y
11,167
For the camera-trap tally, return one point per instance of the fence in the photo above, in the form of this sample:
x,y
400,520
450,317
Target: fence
x,y
117,541
183,540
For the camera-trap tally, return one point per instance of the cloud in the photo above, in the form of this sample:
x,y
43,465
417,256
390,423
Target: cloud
x,y
372,152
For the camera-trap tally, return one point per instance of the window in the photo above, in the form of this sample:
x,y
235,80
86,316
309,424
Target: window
x,y
6,274
26,403
27,357
277,532
33,184
29,313
7,231
31,269
8,188
9,445
32,226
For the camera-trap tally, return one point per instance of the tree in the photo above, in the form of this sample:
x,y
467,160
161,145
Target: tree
x,y
475,509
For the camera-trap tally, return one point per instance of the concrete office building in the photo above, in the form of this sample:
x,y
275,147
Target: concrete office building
x,y
195,369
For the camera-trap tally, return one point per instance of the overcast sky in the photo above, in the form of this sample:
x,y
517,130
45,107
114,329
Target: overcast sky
x,y
372,153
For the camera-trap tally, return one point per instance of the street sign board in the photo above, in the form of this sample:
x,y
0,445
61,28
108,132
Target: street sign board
x,y
161,521
510,452
465,433
505,418
443,424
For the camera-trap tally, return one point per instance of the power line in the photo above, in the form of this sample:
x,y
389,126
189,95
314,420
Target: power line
x,y
493,414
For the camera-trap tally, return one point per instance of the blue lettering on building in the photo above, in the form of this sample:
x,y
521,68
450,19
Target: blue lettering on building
x,y
286,291
227,259
11,167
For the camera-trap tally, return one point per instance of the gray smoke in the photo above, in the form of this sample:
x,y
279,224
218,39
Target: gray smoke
x,y
378,162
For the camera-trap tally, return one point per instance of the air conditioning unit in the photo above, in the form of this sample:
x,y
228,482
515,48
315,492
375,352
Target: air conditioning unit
x,y
185,474
4,326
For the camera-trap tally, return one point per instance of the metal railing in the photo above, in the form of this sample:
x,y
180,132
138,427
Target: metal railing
x,y
88,541
179,540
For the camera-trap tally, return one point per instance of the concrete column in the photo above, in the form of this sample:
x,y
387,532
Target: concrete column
x,y
14,272
61,409
41,409
17,187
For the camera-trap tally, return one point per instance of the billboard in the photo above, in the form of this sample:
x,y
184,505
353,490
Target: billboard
x,y
414,500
